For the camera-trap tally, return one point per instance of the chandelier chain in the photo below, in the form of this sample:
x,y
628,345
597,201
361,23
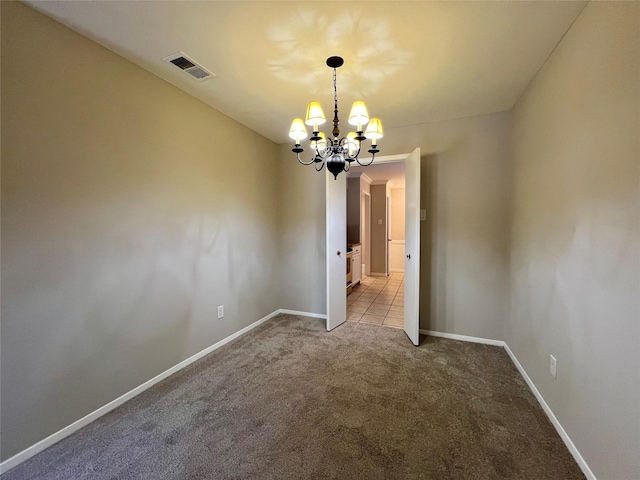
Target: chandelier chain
x,y
336,129
335,90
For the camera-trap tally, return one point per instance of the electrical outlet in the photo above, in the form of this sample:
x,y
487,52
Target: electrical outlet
x,y
221,311
552,366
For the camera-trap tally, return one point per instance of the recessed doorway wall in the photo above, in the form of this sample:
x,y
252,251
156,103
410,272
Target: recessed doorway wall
x,y
336,213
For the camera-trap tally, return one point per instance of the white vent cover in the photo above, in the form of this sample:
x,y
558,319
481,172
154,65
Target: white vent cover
x,y
188,66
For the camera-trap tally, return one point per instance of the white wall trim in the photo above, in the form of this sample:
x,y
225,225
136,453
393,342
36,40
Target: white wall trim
x,y
561,431
375,274
463,338
366,178
45,443
554,421
396,242
380,182
303,314
361,176
387,158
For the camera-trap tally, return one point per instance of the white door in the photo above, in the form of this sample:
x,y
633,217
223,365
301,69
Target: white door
x,y
363,237
336,250
412,247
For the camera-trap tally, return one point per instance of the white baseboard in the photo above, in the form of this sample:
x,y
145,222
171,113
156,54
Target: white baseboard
x,y
561,431
375,274
45,443
303,314
463,338
554,421
75,426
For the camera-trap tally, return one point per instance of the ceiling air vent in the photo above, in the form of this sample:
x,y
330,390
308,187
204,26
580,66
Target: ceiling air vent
x,y
188,66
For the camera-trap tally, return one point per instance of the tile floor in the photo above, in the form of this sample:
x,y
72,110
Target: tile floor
x,y
378,300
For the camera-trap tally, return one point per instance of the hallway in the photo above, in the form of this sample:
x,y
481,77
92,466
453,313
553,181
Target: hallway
x,y
378,300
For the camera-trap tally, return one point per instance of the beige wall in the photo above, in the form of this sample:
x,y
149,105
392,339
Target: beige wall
x,y
575,276
464,241
379,229
130,211
397,213
302,226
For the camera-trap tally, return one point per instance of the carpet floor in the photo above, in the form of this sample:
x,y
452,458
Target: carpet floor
x,y
290,401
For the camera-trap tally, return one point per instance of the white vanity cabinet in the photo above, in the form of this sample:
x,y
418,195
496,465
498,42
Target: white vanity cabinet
x,y
356,263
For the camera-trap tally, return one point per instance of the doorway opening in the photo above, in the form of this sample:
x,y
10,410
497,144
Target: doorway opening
x,y
376,200
346,226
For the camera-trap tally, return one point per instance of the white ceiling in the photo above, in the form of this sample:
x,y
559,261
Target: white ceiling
x,y
412,62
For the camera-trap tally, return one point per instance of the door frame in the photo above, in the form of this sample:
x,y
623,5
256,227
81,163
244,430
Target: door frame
x,y
388,232
382,159
365,231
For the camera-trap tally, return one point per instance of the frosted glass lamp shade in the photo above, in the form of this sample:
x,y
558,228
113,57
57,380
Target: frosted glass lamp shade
x,y
359,115
298,130
315,115
374,130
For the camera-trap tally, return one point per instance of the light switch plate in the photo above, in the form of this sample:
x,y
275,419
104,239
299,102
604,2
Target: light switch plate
x,y
553,363
221,311
423,215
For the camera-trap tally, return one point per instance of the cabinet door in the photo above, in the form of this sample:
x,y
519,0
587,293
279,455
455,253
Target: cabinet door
x,y
356,270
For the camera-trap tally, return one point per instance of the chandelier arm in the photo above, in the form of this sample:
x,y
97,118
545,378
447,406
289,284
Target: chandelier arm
x,y
358,151
318,166
353,158
307,163
373,155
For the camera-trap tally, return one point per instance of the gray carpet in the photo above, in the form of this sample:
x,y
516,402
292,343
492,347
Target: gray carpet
x,y
291,401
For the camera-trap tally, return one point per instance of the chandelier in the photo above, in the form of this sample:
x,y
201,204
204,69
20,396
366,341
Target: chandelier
x,y
338,153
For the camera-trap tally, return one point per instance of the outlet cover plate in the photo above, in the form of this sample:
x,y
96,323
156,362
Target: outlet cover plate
x,y
221,311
